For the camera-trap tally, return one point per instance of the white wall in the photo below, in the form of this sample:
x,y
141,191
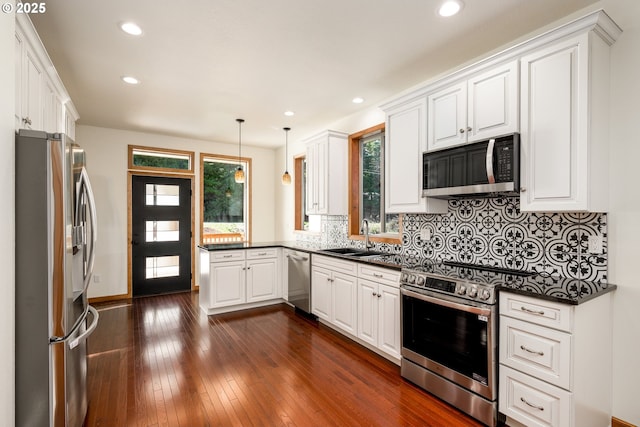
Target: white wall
x,y
107,165
7,219
624,216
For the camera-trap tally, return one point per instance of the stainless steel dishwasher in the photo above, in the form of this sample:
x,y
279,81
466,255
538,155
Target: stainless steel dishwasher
x,y
299,279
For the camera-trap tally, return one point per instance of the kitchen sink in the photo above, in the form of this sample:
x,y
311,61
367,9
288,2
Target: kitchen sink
x,y
351,252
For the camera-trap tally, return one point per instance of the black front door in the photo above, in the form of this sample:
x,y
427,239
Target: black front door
x,y
160,235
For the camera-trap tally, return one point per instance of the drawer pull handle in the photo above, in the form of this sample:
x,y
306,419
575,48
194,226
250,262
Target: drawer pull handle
x,y
227,256
540,408
539,353
526,310
262,253
377,275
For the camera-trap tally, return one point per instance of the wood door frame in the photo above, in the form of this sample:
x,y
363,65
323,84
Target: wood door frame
x,y
130,175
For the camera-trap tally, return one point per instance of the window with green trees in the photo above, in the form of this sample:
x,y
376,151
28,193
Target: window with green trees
x,y
160,159
225,202
372,186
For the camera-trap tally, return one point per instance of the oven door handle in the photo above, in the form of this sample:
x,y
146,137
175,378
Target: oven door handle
x,y
446,303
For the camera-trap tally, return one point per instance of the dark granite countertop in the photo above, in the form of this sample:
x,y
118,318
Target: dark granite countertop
x,y
551,288
560,289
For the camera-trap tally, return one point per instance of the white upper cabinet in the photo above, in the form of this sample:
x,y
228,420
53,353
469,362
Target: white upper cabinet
x,y
405,141
69,119
327,178
41,101
552,89
447,117
29,86
493,103
19,47
481,107
564,117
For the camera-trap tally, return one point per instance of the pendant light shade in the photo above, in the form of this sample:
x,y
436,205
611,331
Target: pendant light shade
x,y
286,178
239,176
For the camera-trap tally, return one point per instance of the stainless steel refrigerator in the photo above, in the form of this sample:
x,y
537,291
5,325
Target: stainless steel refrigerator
x,y
55,251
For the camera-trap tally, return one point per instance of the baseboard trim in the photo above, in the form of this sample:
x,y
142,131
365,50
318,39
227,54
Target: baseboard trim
x,y
109,298
616,422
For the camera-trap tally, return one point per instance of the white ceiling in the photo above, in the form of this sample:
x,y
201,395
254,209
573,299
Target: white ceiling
x,y
203,63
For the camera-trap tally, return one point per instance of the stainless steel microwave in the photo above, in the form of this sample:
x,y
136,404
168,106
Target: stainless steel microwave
x,y
479,169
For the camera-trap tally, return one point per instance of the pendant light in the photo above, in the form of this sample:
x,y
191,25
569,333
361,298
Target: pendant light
x,y
239,176
286,178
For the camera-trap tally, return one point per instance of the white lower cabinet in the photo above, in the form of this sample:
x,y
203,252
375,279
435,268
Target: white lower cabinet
x,y
334,292
555,362
262,275
533,402
241,279
359,300
379,309
227,284
379,316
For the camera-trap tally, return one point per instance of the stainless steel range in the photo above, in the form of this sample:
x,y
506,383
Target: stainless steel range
x,y
449,333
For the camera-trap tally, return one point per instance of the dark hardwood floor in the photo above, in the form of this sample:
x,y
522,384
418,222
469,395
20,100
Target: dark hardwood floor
x,y
160,361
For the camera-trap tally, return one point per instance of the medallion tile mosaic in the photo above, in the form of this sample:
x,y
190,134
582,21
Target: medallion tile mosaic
x,y
495,232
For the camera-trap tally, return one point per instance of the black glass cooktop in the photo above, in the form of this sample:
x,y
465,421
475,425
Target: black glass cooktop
x,y
471,273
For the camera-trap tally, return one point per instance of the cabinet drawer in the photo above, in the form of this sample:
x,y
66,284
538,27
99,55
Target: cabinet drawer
x,y
379,275
335,264
534,310
262,253
542,352
533,402
222,256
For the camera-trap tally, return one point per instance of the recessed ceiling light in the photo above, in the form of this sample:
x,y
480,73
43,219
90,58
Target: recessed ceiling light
x,y
130,80
289,113
450,8
357,100
131,28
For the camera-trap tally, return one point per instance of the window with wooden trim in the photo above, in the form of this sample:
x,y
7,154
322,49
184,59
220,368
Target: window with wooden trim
x,y
301,222
366,192
160,159
225,205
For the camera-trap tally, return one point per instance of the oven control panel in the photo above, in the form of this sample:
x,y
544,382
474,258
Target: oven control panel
x,y
461,289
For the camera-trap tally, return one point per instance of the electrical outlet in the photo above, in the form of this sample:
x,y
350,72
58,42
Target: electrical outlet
x,y
595,244
425,234
96,278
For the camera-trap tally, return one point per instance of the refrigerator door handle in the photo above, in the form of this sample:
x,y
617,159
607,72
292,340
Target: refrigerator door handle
x,y
79,321
85,185
94,313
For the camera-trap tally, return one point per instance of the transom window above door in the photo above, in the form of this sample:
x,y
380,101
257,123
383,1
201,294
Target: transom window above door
x,y
160,159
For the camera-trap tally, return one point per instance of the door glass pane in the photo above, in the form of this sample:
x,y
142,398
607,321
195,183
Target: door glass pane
x,y
162,231
163,266
162,195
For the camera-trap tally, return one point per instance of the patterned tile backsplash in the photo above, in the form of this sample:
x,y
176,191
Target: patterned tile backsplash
x,y
493,231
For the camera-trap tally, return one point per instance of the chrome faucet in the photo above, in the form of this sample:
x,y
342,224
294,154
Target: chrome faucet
x,y
365,230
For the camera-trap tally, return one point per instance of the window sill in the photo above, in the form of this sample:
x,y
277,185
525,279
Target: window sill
x,y
391,238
